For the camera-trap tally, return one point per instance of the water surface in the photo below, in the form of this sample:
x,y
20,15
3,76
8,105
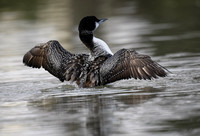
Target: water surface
x,y
32,102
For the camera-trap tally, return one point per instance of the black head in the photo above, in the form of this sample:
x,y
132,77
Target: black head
x,y
90,23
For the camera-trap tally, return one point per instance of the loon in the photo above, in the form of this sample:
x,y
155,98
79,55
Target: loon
x,y
98,68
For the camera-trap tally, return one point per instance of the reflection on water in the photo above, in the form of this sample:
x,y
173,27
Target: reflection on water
x,y
32,102
97,111
183,36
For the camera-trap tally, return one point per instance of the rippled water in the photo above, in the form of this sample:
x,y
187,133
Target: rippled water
x,y
32,102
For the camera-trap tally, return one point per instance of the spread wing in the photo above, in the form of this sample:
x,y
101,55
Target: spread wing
x,y
126,64
56,60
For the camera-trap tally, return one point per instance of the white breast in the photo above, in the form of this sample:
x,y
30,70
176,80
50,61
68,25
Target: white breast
x,y
101,45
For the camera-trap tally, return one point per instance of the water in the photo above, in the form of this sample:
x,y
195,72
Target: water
x,y
32,102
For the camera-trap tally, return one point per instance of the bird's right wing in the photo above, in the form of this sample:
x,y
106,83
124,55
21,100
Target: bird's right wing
x,y
126,64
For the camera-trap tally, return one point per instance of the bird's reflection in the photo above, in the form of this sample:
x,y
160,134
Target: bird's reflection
x,y
92,113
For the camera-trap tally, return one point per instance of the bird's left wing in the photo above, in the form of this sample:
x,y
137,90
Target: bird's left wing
x,y
127,63
56,60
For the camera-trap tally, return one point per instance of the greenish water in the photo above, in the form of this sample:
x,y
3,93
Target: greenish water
x,y
32,102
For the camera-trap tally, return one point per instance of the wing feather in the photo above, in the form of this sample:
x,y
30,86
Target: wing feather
x,y
126,64
64,65
55,59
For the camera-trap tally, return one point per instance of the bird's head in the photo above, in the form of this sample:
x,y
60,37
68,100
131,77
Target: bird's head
x,y
90,23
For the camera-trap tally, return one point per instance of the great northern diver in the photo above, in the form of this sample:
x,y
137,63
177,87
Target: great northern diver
x,y
100,67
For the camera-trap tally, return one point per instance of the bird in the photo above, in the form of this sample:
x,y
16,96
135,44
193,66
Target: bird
x,y
99,67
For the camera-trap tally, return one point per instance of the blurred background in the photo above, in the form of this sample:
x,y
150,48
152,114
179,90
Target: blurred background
x,y
32,102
